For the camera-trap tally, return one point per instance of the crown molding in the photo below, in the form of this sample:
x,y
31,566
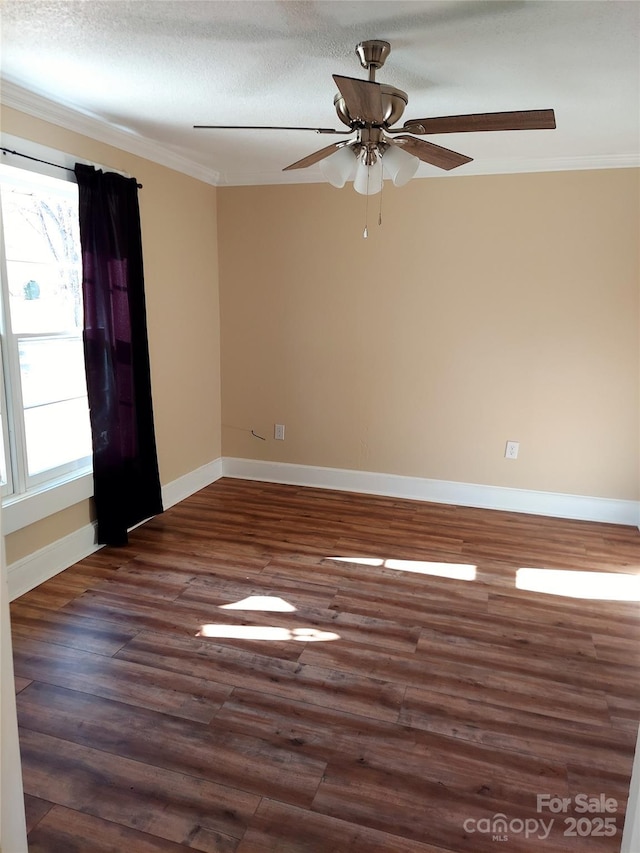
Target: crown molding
x,y
100,130
553,164
484,167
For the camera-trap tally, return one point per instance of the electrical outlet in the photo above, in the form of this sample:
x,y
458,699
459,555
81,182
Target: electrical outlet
x,y
278,432
511,450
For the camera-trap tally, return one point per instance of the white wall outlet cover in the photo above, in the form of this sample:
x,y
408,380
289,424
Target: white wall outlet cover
x,y
511,450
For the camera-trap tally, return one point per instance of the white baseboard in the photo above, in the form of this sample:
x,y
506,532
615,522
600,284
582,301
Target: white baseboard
x,y
30,571
631,830
36,568
190,483
439,491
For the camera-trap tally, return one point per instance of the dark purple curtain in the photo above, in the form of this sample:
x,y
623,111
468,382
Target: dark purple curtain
x,y
125,465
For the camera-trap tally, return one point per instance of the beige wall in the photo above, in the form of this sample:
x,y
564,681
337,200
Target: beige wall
x,y
178,215
484,309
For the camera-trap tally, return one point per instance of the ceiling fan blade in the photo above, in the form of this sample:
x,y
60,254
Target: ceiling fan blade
x,y
362,98
315,157
517,120
265,127
443,158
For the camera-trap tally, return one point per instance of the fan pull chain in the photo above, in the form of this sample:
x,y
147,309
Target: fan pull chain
x,y
365,233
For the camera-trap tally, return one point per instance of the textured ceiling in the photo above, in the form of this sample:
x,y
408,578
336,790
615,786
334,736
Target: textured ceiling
x,y
147,71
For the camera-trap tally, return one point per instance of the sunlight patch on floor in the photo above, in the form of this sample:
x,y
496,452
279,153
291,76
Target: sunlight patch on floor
x,y
456,571
258,632
605,586
266,603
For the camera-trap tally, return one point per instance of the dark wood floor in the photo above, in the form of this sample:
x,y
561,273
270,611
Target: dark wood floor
x,y
392,711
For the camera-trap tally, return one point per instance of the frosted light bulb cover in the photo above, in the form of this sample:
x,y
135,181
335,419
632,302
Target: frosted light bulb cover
x,y
339,167
399,165
368,179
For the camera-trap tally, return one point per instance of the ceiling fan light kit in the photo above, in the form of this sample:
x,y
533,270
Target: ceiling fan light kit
x,y
368,178
370,109
351,162
340,167
399,165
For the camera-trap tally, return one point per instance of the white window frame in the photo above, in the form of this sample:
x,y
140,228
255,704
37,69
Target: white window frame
x,y
75,484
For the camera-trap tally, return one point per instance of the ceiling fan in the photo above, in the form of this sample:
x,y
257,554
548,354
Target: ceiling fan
x,y
370,109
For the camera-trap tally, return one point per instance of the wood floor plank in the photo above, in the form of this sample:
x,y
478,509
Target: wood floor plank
x,y
456,678
65,830
315,685
584,780
336,736
385,602
183,619
65,629
616,649
392,710
127,583
424,811
174,694
350,572
163,803
624,711
230,561
50,599
279,828
532,733
21,683
299,593
35,809
581,671
237,761
546,642
365,630
617,622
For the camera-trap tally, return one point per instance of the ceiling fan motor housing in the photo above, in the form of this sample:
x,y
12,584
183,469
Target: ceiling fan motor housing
x,y
393,103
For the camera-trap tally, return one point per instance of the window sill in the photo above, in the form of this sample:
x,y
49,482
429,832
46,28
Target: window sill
x,y
23,510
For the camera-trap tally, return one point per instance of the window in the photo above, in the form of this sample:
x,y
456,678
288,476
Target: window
x,y
45,434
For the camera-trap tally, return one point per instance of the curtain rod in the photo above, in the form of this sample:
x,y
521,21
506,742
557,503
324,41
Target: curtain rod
x,y
46,162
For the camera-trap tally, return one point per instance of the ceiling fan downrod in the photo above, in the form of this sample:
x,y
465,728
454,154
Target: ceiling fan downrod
x,y
372,55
